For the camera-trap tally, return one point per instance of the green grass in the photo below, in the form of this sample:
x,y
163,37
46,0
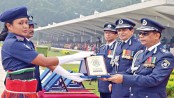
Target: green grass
x,y
73,67
55,52
92,85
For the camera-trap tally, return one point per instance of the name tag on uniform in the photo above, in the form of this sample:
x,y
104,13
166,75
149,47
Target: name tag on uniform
x,y
127,54
150,62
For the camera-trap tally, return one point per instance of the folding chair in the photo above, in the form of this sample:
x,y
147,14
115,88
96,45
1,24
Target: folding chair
x,y
44,74
47,80
53,81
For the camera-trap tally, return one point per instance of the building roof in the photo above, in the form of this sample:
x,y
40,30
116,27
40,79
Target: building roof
x,y
158,10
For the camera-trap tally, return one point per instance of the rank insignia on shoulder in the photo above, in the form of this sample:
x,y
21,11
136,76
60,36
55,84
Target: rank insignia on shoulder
x,y
165,64
164,51
127,54
19,38
150,62
102,45
27,46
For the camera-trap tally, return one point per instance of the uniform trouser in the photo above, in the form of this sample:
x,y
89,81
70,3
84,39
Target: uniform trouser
x,y
105,95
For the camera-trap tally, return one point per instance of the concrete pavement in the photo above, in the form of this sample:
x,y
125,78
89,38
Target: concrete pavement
x,y
2,76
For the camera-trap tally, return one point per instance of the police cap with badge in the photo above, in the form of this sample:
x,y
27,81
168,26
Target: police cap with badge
x,y
110,27
150,25
124,23
30,21
12,14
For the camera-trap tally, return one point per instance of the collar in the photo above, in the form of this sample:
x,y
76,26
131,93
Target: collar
x,y
111,43
28,39
126,41
13,35
10,35
154,46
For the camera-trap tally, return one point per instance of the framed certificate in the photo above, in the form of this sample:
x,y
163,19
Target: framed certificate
x,y
95,66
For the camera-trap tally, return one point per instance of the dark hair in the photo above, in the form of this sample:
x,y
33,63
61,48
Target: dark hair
x,y
160,35
10,22
131,28
3,33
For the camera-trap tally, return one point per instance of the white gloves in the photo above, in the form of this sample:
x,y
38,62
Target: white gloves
x,y
74,57
72,76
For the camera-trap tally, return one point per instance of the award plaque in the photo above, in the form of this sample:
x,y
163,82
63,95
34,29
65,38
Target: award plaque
x,y
94,66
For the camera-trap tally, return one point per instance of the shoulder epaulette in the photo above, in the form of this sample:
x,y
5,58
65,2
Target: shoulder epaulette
x,y
164,51
102,45
19,38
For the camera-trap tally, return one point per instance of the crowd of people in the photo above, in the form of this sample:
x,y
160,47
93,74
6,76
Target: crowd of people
x,y
80,46
86,46
168,43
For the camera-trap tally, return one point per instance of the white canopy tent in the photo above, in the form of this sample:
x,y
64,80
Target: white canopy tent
x,y
159,10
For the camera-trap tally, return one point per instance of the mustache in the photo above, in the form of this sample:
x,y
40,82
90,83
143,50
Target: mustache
x,y
31,32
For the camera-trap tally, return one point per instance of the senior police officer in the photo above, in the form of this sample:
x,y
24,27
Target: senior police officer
x,y
110,35
29,35
125,51
19,59
152,66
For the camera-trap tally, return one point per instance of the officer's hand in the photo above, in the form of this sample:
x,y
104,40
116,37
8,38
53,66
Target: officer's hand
x,y
110,87
118,78
103,79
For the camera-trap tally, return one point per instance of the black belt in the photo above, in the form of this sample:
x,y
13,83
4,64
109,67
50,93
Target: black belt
x,y
23,76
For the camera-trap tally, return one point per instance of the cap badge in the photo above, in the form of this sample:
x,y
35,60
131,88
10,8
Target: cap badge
x,y
144,22
109,26
30,18
120,21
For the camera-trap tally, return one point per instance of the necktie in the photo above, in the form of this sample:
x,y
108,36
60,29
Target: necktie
x,y
122,44
145,53
106,51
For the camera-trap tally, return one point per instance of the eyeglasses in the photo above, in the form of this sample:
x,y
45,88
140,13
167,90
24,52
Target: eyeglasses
x,y
144,33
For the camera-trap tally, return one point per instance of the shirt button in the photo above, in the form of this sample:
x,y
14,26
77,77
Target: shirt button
x,y
132,94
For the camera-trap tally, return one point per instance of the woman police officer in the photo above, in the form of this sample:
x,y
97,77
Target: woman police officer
x,y
18,59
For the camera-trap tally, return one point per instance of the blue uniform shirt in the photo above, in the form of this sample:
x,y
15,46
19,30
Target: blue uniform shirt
x,y
17,53
124,55
37,71
151,77
107,52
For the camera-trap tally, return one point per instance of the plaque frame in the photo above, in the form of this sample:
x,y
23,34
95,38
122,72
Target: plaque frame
x,y
96,66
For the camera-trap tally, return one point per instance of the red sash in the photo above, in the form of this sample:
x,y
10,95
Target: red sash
x,y
21,85
18,88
